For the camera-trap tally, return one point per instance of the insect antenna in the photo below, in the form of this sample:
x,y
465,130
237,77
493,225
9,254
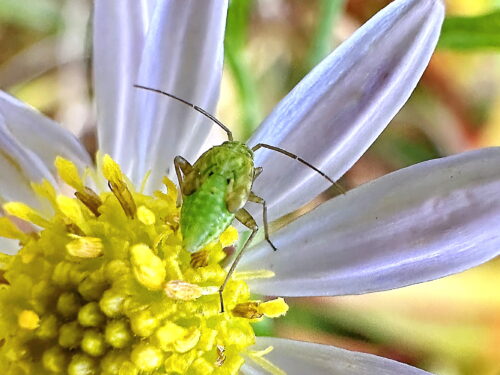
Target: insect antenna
x,y
300,160
195,107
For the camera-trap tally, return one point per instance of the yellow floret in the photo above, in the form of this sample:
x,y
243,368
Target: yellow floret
x,y
107,288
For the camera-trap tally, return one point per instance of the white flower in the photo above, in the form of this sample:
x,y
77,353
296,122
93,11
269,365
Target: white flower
x,y
417,224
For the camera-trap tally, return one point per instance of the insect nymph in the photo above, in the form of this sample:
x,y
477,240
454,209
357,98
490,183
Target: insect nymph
x,y
216,188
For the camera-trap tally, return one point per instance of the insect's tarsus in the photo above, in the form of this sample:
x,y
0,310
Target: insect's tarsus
x,y
233,266
195,107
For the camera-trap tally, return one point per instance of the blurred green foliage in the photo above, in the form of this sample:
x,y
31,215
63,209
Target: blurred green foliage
x,y
39,15
471,33
329,12
236,39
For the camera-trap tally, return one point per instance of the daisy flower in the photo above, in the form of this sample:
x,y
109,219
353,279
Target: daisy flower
x,y
103,285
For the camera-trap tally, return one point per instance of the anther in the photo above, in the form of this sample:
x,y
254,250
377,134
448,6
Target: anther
x,y
221,355
90,199
199,259
181,290
247,310
124,196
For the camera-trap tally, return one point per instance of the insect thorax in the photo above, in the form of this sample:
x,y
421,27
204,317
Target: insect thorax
x,y
231,160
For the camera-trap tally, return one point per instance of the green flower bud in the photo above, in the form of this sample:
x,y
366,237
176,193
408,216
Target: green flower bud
x,y
68,305
147,357
117,334
91,315
143,323
112,362
49,327
111,303
92,288
55,359
70,335
128,368
93,343
82,364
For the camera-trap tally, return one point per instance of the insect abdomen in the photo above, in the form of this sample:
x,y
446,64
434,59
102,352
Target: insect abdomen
x,y
204,214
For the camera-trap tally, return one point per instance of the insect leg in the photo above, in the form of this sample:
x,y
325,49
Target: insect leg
x,y
256,199
257,172
300,160
182,167
244,217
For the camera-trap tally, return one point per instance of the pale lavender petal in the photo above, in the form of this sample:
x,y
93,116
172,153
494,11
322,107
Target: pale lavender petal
x,y
183,56
120,29
19,167
335,113
417,224
298,358
9,246
41,136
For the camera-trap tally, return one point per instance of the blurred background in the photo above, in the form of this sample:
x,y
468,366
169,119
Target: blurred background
x,y
450,326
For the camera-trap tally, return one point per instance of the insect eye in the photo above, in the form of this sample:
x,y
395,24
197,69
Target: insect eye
x,y
210,173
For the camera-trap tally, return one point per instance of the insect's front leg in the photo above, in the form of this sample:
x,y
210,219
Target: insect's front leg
x,y
244,217
256,199
182,167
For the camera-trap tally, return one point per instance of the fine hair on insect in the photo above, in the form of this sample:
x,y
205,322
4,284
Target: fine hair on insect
x,y
215,189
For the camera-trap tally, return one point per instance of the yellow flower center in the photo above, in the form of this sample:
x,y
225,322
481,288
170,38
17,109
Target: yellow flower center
x,y
105,287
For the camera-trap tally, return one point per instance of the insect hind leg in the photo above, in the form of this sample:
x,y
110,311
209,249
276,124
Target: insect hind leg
x,y
256,199
244,217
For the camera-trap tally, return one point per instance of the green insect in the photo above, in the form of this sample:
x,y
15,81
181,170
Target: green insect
x,y
216,188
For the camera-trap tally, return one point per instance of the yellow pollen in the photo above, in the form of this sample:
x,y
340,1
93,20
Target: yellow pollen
x,y
106,287
274,308
188,341
229,237
84,247
28,320
148,268
145,215
255,310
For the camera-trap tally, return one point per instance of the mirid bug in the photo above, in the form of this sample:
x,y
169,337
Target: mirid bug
x,y
216,188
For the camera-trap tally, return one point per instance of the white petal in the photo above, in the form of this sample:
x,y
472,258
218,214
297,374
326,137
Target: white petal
x,y
9,246
183,56
40,135
19,167
297,358
417,224
119,34
335,113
